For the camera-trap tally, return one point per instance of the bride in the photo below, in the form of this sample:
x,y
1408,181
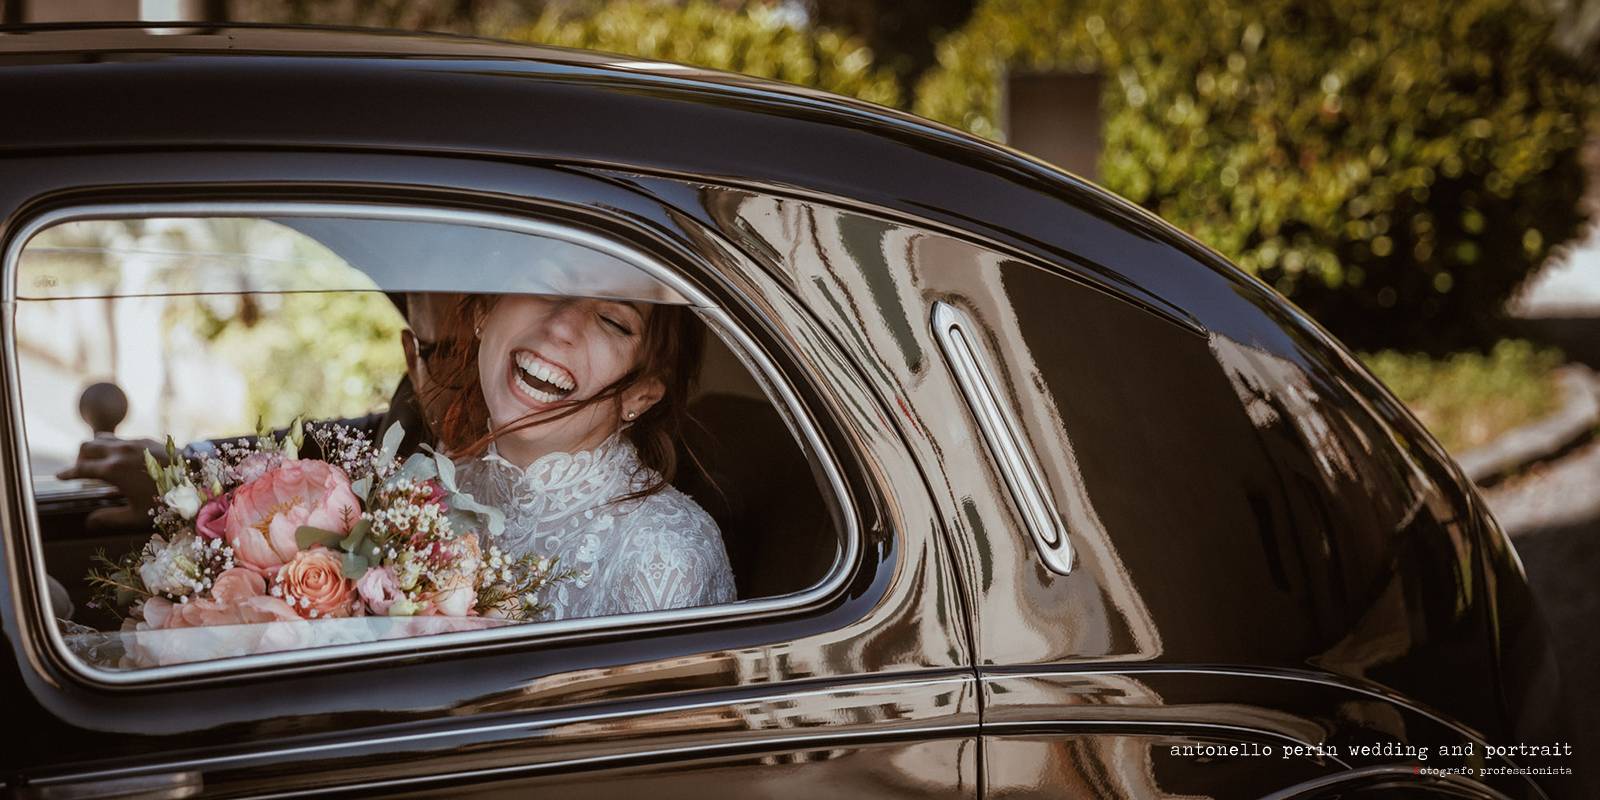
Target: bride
x,y
582,400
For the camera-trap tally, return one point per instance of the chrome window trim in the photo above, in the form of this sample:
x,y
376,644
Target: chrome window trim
x,y
1001,432
822,739
780,392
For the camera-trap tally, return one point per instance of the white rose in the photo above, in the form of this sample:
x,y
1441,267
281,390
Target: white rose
x,y
184,499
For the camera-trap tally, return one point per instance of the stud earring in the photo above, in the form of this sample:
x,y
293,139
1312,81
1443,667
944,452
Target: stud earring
x,y
630,415
477,332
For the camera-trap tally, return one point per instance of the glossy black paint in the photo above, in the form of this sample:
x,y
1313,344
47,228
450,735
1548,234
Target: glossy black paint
x,y
1271,549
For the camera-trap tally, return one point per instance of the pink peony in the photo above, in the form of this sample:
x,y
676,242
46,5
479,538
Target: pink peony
x,y
238,597
211,521
314,585
378,589
257,464
264,515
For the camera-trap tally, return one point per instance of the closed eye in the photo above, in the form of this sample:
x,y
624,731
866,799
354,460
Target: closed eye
x,y
618,317
616,325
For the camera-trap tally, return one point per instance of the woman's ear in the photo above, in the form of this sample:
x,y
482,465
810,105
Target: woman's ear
x,y
643,394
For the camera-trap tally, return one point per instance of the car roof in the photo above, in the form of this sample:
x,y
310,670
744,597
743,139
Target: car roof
x,y
161,66
95,88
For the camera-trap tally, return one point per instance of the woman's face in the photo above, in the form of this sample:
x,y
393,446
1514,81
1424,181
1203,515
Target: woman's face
x,y
537,353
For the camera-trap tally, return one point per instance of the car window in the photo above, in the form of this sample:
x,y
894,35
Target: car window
x,y
266,433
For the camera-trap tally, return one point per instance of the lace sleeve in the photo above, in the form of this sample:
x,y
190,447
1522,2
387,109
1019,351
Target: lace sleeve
x,y
675,559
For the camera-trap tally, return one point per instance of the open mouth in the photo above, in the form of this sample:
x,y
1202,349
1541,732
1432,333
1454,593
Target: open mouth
x,y
542,380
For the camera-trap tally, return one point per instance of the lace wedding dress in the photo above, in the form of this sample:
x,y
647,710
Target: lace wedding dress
x,y
656,552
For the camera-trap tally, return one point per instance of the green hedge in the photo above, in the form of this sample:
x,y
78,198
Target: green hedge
x,y
1468,399
759,41
1397,169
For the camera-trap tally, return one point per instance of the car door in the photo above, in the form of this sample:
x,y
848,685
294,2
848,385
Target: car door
x,y
1164,602
860,680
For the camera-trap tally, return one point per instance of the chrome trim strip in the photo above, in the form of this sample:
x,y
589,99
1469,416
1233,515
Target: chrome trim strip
x,y
1001,432
554,721
989,726
742,344
1301,677
476,219
758,747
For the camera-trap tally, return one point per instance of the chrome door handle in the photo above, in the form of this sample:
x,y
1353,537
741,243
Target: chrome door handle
x,y
1002,433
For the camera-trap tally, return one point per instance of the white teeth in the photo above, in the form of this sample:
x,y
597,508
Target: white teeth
x,y
543,397
546,371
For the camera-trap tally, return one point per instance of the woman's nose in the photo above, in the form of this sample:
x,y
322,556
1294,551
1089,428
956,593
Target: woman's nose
x,y
565,320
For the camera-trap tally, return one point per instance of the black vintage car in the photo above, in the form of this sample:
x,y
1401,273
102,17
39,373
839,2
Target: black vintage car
x,y
1026,493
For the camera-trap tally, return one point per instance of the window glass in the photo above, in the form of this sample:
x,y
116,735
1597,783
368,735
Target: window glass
x,y
252,435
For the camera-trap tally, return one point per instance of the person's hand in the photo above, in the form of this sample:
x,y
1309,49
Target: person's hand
x,y
119,462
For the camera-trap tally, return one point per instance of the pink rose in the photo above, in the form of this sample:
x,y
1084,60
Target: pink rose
x,y
238,597
264,515
455,599
378,589
457,594
314,585
211,520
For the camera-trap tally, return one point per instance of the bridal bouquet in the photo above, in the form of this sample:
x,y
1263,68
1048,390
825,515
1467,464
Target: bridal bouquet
x,y
255,534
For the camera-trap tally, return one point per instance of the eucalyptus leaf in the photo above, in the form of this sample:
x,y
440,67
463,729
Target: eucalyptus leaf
x,y
497,521
358,534
308,536
391,440
447,471
418,468
362,487
354,566
492,518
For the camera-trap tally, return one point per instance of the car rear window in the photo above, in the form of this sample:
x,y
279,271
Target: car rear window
x,y
262,433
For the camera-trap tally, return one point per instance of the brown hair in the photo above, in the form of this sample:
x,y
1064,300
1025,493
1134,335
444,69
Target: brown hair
x,y
671,348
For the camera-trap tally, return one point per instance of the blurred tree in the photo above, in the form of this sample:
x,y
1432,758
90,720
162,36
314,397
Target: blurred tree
x,y
902,35
1577,30
1396,169
760,40
446,16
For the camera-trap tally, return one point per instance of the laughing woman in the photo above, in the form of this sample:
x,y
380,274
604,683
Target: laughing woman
x,y
582,400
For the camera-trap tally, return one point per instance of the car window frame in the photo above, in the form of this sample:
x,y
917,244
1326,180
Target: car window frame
x,y
35,605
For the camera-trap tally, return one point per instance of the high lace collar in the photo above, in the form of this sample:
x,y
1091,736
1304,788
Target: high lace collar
x,y
613,457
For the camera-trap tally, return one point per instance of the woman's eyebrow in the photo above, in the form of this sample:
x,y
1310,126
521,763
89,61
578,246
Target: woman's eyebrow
x,y
631,305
